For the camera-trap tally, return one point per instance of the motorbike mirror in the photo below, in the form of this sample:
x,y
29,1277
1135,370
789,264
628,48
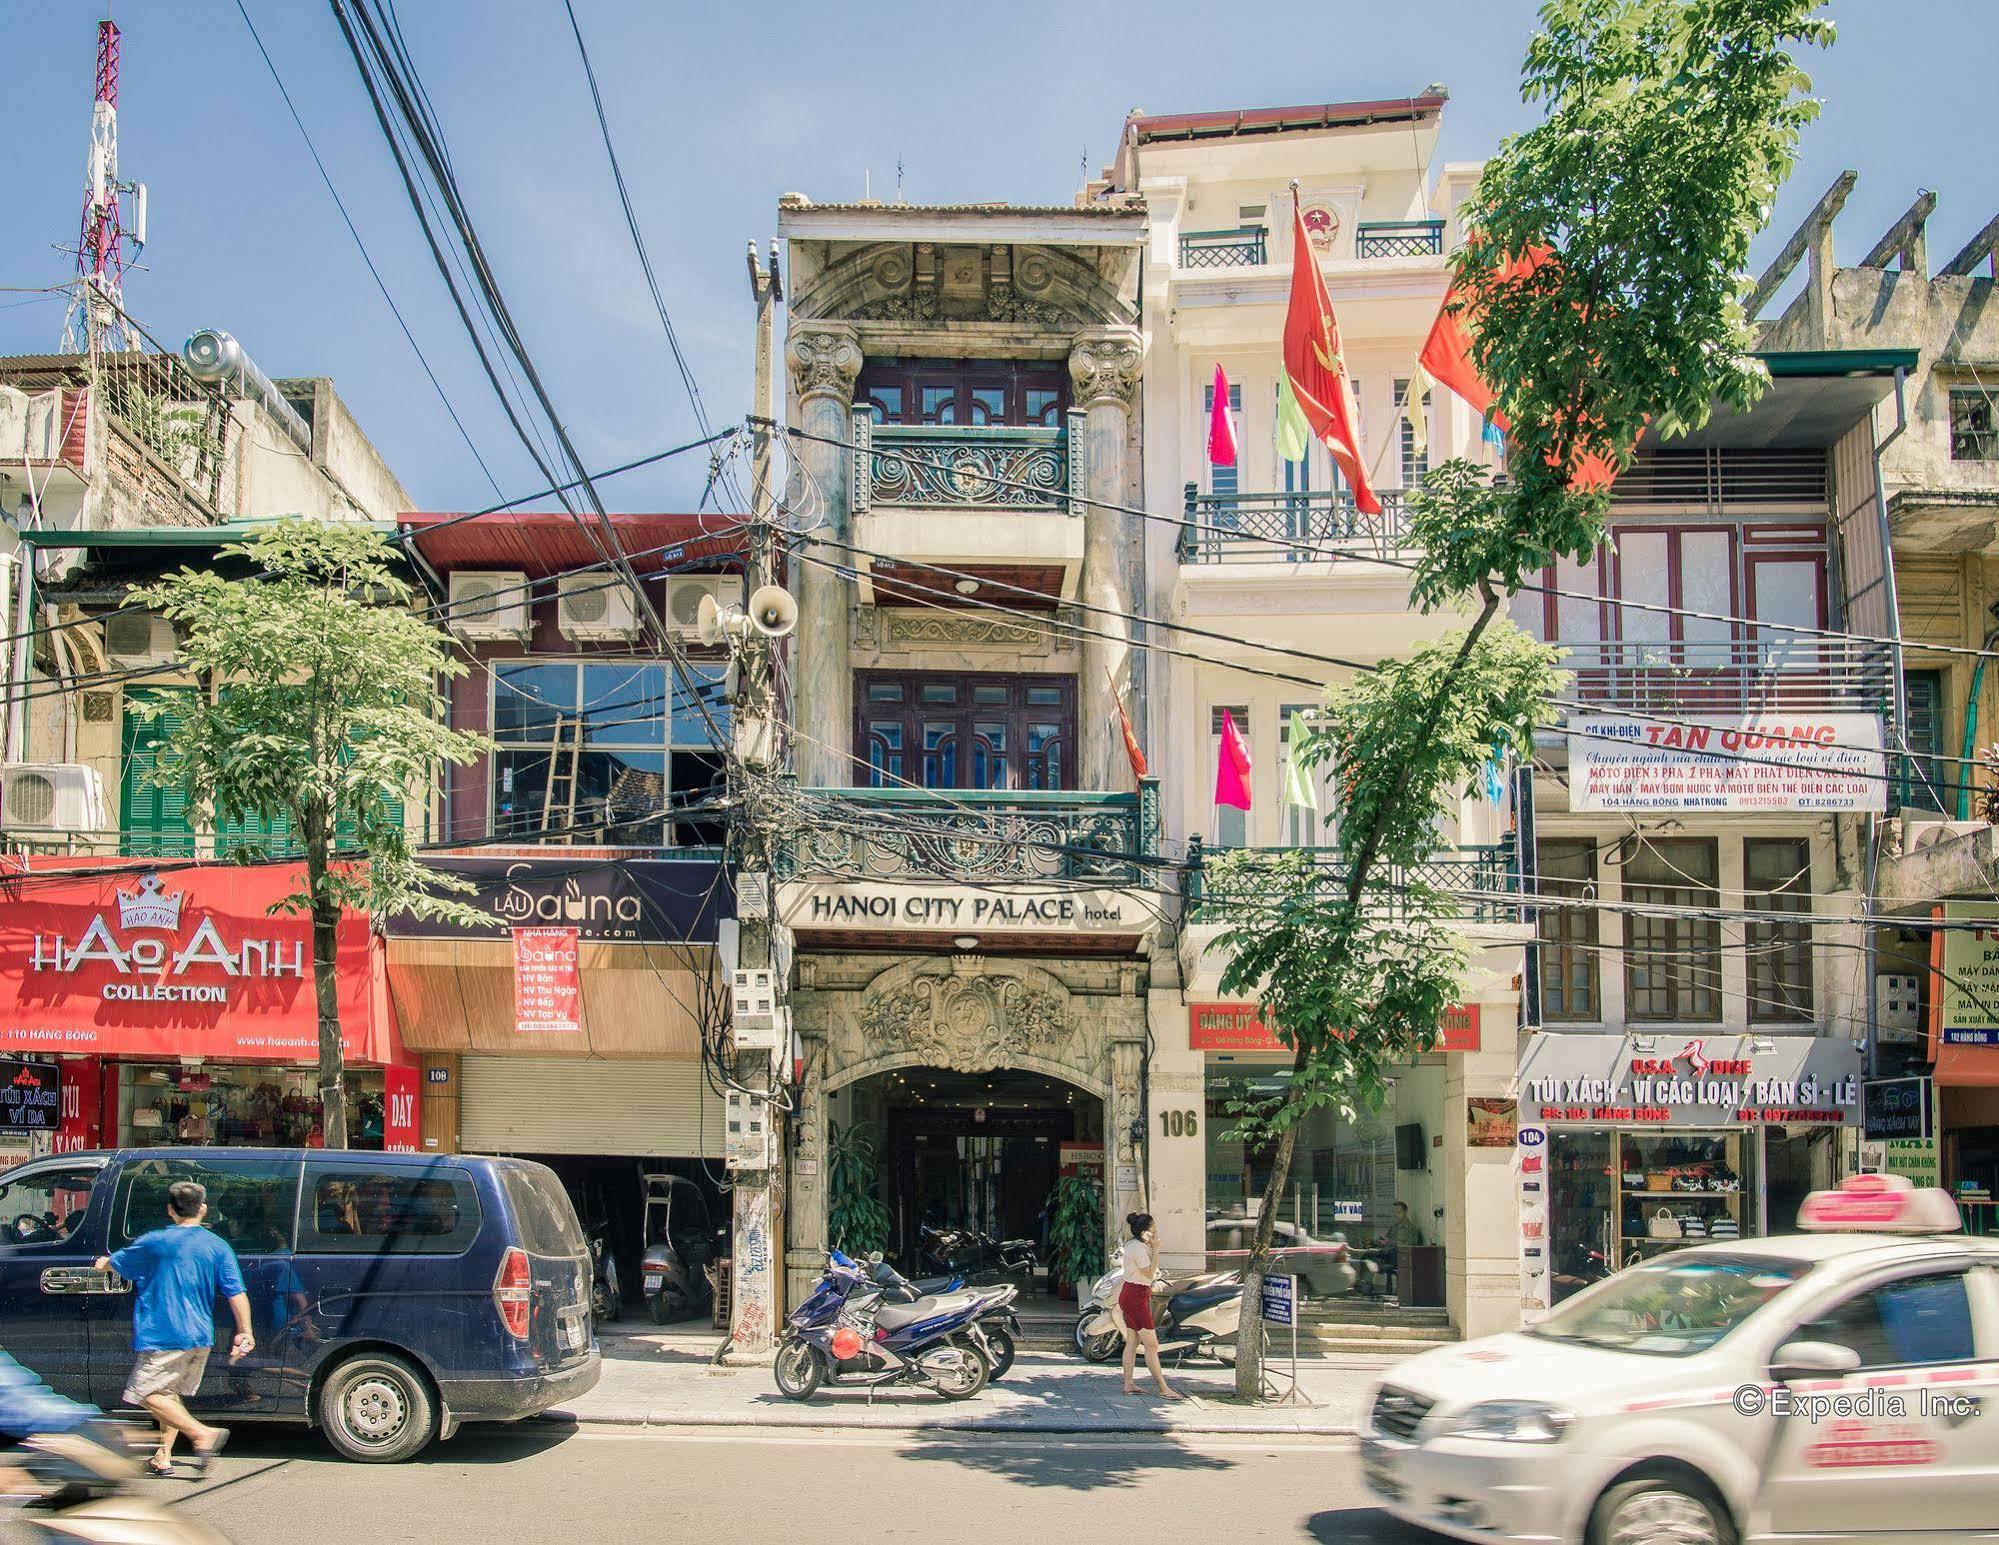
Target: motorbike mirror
x,y
874,1257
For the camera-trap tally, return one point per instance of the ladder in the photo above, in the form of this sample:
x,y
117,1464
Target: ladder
x,y
563,779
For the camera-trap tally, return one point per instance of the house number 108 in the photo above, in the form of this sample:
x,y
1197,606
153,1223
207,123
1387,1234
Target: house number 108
x,y
1179,1123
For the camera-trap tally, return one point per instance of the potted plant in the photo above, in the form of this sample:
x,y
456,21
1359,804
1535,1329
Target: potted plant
x,y
856,1221
1076,1232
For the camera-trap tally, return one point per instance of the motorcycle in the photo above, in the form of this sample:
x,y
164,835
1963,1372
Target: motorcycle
x,y
1199,1314
1325,1268
998,1323
680,1246
845,1335
969,1253
606,1302
70,1487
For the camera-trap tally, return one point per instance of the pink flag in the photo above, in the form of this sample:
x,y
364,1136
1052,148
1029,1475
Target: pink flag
x,y
1232,766
1221,427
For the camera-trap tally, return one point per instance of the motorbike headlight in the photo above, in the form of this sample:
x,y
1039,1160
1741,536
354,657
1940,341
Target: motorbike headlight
x,y
1512,1421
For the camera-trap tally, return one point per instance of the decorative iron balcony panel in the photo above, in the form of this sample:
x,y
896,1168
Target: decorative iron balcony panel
x,y
962,836
1244,247
1781,673
1399,238
1491,871
1293,528
999,466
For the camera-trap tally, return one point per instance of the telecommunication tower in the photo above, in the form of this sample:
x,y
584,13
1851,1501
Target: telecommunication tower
x,y
98,298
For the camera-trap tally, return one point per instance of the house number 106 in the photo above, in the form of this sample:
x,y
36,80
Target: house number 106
x,y
1178,1123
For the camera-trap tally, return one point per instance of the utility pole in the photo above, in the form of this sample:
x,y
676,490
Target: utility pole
x,y
757,1244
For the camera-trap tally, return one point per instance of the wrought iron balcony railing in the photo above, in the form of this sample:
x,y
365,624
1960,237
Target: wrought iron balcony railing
x,y
1290,528
1491,871
1244,247
1399,238
975,835
1781,672
979,466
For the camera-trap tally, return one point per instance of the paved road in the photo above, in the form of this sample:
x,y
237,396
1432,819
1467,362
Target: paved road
x,y
547,1481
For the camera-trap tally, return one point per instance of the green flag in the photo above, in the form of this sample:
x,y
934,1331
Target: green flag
x,y
1293,433
1298,789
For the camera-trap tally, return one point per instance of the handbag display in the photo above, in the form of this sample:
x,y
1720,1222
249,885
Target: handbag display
x,y
1662,1225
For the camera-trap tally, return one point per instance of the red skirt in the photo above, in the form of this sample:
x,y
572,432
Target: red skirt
x,y
1134,1301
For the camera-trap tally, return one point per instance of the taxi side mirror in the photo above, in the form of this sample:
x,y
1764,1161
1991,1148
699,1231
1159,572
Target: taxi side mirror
x,y
1812,1360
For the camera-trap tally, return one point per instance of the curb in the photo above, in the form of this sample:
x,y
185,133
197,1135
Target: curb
x,y
1074,1428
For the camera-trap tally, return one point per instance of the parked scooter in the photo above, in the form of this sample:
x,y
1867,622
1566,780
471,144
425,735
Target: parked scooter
x,y
606,1302
846,1335
969,1253
998,1323
1199,1314
71,1488
680,1245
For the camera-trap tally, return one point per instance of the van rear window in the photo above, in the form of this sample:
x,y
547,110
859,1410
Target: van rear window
x,y
542,1208
352,1209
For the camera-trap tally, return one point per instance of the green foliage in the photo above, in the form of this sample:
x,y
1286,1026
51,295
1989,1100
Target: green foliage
x,y
857,1221
177,433
1670,125
334,709
1076,1229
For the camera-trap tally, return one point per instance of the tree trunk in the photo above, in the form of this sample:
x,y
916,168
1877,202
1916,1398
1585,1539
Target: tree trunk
x,y
326,989
1249,1323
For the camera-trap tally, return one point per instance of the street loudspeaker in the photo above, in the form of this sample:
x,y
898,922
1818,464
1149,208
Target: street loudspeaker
x,y
708,621
772,611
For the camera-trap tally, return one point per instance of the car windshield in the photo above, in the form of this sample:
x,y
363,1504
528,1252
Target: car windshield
x,y
1671,1308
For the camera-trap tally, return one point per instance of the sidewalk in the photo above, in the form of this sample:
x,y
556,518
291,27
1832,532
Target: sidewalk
x,y
664,1379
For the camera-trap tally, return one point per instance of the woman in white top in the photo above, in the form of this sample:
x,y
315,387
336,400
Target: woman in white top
x,y
1134,1300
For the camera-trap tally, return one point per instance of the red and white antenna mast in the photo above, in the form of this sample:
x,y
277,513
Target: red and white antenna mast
x,y
100,250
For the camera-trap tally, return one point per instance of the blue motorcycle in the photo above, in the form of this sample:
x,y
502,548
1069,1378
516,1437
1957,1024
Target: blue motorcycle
x,y
847,1335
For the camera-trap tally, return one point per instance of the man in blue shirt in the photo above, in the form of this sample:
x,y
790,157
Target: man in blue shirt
x,y
179,1272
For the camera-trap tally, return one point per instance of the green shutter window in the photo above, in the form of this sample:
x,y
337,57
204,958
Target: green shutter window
x,y
1925,780
152,821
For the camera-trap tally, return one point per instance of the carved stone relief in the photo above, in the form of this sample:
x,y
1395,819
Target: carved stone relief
x,y
1105,368
825,362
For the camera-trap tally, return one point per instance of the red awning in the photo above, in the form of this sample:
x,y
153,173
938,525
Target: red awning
x,y
1967,1067
539,543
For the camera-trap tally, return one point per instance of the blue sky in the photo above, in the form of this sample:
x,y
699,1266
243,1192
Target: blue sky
x,y
717,110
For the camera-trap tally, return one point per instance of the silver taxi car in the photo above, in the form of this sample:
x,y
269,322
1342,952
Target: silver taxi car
x,y
1838,1384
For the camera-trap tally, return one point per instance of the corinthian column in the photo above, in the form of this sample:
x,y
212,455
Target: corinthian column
x,y
1104,367
825,359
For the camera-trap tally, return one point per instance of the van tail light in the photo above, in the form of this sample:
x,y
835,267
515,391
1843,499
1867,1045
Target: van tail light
x,y
511,1292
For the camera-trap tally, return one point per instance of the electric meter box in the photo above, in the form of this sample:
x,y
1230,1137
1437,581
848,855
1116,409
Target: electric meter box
x,y
754,1014
746,1132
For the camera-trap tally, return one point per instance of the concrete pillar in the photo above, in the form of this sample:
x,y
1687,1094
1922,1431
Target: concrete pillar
x,y
1104,367
805,1246
1124,1160
1481,1194
825,359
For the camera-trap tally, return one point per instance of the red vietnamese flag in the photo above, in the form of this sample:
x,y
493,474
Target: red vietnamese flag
x,y
1221,426
1319,379
1131,747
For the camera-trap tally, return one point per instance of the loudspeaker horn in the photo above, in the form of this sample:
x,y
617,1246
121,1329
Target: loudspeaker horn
x,y
773,612
708,621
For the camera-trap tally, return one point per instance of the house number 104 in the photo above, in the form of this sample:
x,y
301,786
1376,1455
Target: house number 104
x,y
1179,1123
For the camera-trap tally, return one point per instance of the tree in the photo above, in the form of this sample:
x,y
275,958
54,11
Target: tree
x,y
322,705
1602,278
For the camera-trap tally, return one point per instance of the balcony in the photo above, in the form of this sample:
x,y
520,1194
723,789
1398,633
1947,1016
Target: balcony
x,y
1399,239
1784,674
1491,870
1291,528
1244,247
947,466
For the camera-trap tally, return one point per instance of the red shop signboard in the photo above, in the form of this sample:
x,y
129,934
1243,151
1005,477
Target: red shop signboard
x,y
1237,1027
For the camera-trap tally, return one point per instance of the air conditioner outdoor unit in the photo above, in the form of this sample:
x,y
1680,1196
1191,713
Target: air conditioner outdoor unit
x,y
683,599
139,638
595,606
52,797
490,604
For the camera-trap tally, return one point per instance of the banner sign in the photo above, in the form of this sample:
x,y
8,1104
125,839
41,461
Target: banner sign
x,y
1238,1027
548,982
640,901
30,1096
1895,1108
1965,991
1530,1163
1280,1300
1769,761
1671,1079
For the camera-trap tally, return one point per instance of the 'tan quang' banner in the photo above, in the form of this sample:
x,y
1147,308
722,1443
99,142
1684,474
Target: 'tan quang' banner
x,y
1770,761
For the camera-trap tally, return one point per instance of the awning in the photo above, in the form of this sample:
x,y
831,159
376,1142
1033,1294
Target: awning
x,y
539,543
1967,1067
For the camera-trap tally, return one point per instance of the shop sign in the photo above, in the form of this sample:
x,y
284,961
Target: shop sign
x,y
640,901
951,909
1895,1108
548,982
1745,762
1703,1081
1915,1157
1084,1159
1966,994
1530,1162
1238,1027
401,1119
1490,1123
31,1096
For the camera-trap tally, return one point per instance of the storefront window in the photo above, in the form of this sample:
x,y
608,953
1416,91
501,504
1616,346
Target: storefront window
x,y
250,1105
1672,967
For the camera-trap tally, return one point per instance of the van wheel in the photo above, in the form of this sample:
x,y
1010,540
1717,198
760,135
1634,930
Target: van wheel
x,y
377,1409
1659,1510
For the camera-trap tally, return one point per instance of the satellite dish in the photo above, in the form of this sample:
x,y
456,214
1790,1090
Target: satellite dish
x,y
773,612
708,621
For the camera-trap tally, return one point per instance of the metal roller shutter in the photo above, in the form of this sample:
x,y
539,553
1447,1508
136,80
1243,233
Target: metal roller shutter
x,y
569,1105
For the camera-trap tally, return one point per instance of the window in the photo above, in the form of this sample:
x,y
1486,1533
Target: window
x,y
1223,480
950,731
1247,215
1972,436
153,819
1305,828
597,752
431,1211
1570,986
1672,965
44,1206
1924,782
1777,877
1415,462
964,392
542,1211
1914,1321
1231,826
251,1202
